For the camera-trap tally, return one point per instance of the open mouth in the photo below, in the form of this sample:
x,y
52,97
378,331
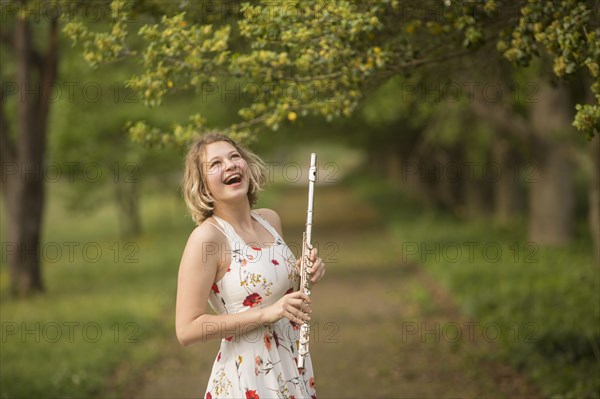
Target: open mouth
x,y
233,179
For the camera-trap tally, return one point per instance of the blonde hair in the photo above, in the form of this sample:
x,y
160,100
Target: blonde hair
x,y
199,201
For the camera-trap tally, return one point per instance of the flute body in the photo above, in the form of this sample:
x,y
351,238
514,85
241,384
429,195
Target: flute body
x,y
305,283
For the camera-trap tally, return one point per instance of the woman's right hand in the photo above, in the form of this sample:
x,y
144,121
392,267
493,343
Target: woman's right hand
x,y
294,306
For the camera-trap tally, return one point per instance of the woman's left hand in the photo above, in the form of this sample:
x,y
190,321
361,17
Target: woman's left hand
x,y
317,271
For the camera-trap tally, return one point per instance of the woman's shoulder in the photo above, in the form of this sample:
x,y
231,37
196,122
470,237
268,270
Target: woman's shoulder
x,y
207,231
272,217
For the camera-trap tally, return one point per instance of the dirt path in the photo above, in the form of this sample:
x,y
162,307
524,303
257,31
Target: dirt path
x,y
381,327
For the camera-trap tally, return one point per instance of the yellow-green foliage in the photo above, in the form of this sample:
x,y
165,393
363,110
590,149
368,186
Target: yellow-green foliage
x,y
320,57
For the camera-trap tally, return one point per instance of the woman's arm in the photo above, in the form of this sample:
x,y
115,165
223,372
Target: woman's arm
x,y
197,272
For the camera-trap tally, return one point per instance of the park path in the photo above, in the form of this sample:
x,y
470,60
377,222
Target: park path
x,y
382,328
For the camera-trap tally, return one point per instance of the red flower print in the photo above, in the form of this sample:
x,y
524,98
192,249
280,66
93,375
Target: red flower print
x,y
250,257
258,360
295,326
255,248
215,288
289,291
313,397
274,262
244,262
252,300
276,339
229,338
208,395
311,382
219,357
252,395
267,342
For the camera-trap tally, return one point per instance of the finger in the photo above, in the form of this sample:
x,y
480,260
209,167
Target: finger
x,y
319,275
293,318
299,305
298,317
296,303
302,315
303,310
316,267
302,304
313,254
317,264
315,278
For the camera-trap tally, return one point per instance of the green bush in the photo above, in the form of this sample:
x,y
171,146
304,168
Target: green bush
x,y
545,300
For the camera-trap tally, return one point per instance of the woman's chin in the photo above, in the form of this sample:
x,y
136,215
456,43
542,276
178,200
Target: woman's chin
x,y
234,194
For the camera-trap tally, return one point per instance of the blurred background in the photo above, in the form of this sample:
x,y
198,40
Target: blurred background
x,y
456,205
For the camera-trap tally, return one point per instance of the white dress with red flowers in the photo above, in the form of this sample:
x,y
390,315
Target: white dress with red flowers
x,y
258,361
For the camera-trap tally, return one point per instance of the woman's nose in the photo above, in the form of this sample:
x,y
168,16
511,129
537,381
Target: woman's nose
x,y
229,164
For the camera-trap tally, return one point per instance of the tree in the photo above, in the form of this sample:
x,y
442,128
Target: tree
x,y
30,53
87,133
22,153
328,54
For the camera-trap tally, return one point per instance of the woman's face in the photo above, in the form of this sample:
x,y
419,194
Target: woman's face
x,y
226,172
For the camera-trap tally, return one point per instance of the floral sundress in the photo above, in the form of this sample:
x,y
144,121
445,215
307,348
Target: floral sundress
x,y
261,361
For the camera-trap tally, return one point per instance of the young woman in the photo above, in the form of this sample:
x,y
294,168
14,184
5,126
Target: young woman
x,y
237,260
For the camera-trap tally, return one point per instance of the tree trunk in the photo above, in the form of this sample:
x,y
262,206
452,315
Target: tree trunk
x,y
552,196
594,197
129,211
393,164
507,193
23,163
476,199
412,183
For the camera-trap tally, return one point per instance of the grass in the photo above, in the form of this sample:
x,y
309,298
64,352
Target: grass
x,y
552,301
544,302
105,301
109,306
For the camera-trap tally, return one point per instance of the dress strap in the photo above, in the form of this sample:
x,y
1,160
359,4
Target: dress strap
x,y
266,225
226,229
234,237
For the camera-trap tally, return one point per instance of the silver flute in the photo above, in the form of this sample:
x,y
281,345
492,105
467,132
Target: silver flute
x,y
305,283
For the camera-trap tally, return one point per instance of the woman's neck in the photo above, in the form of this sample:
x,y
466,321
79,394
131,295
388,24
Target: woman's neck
x,y
237,215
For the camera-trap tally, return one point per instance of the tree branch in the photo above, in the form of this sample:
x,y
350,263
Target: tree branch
x,y
251,122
